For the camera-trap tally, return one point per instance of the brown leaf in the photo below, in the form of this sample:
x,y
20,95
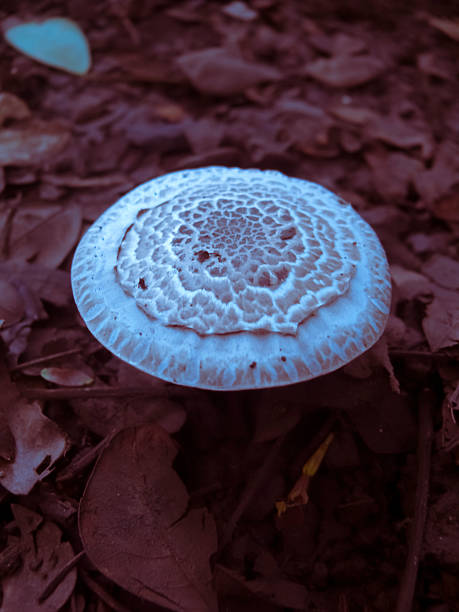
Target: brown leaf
x,y
345,71
449,27
50,285
215,71
442,176
135,526
395,131
444,271
441,322
64,228
12,107
447,208
43,556
11,304
393,172
31,144
39,443
66,377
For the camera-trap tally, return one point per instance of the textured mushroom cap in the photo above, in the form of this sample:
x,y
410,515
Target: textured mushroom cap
x,y
223,278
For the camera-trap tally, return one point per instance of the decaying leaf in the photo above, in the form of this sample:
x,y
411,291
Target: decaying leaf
x,y
11,303
12,107
43,556
136,528
215,71
441,322
444,271
39,443
35,245
56,41
67,377
450,27
48,284
345,70
32,143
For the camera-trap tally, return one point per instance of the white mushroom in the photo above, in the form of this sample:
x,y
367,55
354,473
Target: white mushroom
x,y
227,279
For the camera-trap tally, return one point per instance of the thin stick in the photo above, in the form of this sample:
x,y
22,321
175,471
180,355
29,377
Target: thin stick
x,y
59,577
38,360
408,583
87,392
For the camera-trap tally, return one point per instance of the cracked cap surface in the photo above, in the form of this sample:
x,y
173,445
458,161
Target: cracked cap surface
x,y
228,279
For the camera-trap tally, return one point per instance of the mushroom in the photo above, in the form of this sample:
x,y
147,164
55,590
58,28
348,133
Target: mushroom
x,y
227,279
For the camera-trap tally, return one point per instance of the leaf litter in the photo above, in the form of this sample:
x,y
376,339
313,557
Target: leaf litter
x,y
366,105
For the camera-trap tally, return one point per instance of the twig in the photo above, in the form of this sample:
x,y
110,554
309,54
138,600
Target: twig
x,y
34,362
87,392
59,577
408,583
81,463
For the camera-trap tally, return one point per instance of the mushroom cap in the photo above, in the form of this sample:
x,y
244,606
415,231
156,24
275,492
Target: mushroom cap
x,y
222,278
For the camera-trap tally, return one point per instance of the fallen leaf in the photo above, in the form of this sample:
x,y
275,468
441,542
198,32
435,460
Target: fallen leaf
x,y
32,143
43,557
136,528
56,42
441,321
50,285
447,208
444,271
345,71
409,284
69,180
239,10
11,303
217,72
438,180
64,226
66,377
395,131
39,444
392,173
12,107
450,27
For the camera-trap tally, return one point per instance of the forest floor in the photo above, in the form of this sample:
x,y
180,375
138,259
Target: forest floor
x,y
123,494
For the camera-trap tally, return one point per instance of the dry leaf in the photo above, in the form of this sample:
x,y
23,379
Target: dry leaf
x,y
39,444
136,527
345,71
393,173
43,557
444,271
395,131
31,144
66,377
441,322
215,71
11,303
63,228
50,285
449,27
12,107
